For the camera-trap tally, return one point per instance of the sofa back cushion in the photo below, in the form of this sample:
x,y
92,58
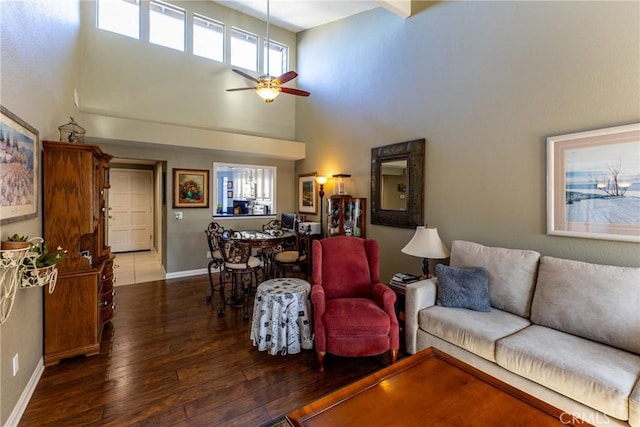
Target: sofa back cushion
x,y
512,273
597,302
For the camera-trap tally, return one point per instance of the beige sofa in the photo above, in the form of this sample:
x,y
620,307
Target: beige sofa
x,y
566,332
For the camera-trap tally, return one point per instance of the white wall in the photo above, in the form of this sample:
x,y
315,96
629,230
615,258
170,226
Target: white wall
x,y
39,68
485,83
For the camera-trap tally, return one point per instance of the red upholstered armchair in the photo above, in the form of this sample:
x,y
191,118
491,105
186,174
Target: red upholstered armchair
x,y
354,314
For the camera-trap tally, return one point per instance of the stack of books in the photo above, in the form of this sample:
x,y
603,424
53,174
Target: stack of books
x,y
402,279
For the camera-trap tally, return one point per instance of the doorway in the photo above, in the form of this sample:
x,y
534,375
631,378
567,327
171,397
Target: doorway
x,y
131,210
136,220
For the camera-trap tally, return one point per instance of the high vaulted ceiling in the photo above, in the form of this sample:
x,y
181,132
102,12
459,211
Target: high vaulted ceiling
x,y
298,15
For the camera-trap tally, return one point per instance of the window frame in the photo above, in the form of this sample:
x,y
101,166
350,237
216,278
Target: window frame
x,y
138,3
217,188
213,22
247,34
284,64
173,8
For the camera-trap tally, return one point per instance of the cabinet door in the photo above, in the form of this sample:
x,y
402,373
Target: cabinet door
x,y
68,202
71,324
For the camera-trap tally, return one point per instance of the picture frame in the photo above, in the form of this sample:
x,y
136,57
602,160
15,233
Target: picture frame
x,y
307,194
593,184
190,188
230,185
229,194
20,155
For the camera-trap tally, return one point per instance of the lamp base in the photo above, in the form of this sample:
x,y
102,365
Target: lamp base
x,y
425,267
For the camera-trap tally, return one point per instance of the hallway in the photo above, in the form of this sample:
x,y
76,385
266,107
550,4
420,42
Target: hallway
x,y
137,267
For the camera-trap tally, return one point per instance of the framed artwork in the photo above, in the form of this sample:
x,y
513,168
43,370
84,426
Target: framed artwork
x,y
19,168
593,184
190,188
307,194
229,194
230,185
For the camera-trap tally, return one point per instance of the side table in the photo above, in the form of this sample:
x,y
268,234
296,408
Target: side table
x,y
281,316
401,295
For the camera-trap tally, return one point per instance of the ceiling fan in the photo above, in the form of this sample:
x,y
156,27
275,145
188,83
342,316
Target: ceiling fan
x,y
269,87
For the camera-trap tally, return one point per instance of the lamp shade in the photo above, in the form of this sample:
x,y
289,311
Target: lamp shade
x,y
426,243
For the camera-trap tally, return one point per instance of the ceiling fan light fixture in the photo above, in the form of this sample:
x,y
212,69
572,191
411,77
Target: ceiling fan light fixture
x,y
268,93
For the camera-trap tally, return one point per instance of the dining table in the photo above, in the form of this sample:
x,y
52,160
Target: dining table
x,y
266,243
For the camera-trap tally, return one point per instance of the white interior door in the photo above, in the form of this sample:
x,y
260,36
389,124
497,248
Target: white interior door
x,y
131,208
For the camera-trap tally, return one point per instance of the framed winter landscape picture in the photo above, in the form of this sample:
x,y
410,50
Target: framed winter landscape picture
x,y
19,161
593,184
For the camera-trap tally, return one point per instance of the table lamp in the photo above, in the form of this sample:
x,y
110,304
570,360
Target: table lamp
x,y
426,244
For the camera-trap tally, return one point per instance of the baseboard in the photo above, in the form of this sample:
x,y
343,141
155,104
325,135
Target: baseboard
x,y
25,397
187,273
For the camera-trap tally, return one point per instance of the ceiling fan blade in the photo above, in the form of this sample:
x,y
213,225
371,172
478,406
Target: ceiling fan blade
x,y
288,76
245,75
294,91
241,88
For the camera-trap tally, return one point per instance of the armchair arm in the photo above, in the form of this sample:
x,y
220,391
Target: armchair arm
x,y
318,300
385,298
420,295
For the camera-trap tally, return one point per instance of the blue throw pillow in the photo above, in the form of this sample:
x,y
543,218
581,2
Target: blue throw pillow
x,y
463,287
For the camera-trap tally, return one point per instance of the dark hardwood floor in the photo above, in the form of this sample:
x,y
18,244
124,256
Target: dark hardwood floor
x,y
168,359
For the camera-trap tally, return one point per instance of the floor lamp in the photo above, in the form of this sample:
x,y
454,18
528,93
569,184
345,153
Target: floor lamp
x,y
322,180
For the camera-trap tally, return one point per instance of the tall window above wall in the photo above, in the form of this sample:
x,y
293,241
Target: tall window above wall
x,y
241,190
278,58
208,38
166,25
244,49
120,16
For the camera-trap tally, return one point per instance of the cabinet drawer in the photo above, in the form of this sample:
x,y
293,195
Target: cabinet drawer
x,y
107,306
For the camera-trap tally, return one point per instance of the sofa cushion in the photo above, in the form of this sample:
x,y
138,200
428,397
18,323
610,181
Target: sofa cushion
x,y
474,331
598,302
463,287
591,373
512,273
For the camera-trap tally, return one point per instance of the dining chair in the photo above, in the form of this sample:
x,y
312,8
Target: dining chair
x,y
213,233
243,268
273,227
296,259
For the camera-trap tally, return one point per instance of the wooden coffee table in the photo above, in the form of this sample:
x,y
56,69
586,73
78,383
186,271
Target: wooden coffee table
x,y
429,388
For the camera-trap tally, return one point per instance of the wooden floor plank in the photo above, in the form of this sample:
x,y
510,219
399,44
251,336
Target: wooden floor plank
x,y
168,359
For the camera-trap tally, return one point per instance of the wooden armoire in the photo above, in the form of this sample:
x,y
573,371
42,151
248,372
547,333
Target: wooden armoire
x,y
75,186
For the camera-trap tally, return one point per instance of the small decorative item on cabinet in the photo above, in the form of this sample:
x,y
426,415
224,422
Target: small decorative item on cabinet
x,y
341,184
71,132
347,216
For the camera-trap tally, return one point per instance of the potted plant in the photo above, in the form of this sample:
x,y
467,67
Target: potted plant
x,y
15,242
39,266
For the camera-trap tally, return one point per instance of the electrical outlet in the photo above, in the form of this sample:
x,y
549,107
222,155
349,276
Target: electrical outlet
x,y
208,254
16,364
178,215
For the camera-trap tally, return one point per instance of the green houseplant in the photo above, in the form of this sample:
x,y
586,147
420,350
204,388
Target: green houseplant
x,y
15,242
39,266
43,257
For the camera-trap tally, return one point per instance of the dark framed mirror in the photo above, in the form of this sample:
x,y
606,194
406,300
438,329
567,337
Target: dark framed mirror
x,y
397,184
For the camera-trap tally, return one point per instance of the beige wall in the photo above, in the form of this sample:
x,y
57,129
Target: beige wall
x,y
39,68
485,83
186,246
